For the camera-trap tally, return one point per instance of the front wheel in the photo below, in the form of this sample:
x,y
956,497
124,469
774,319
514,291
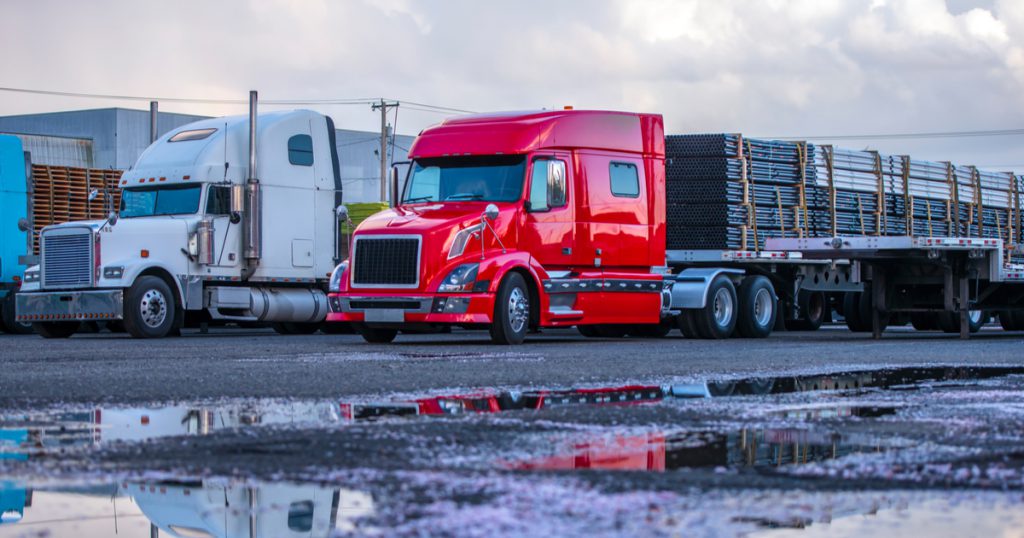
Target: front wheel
x,y
511,311
374,335
149,308
56,329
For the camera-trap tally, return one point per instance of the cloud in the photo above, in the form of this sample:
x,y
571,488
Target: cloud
x,y
770,67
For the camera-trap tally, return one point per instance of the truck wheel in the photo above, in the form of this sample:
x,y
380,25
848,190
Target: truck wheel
x,y
949,322
686,324
717,320
7,315
511,311
288,327
56,329
149,308
757,307
374,335
660,330
589,331
813,307
336,327
1011,320
853,312
924,321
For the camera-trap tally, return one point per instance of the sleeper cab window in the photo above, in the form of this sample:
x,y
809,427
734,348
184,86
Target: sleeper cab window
x,y
547,184
300,150
625,181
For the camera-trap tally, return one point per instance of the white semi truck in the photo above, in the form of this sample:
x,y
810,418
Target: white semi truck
x,y
225,219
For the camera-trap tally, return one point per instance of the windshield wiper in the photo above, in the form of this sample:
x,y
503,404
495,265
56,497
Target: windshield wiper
x,y
466,196
417,199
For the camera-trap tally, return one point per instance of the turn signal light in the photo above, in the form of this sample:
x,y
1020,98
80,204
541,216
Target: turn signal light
x,y
144,253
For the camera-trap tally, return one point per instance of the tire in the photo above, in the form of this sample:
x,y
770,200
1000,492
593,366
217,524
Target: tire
x,y
864,302
1012,320
7,315
813,306
660,330
924,321
717,320
949,322
290,327
852,307
336,327
149,308
612,331
511,319
373,335
757,312
56,329
686,324
589,331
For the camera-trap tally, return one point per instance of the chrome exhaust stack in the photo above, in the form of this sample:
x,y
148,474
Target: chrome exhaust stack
x,y
252,228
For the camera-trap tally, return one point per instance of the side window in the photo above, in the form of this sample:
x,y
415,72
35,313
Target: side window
x,y
625,181
547,184
300,150
218,200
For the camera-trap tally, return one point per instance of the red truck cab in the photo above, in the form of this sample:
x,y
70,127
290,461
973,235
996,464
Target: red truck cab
x,y
512,222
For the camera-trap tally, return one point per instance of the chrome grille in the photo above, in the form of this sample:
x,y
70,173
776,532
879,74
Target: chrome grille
x,y
67,258
386,261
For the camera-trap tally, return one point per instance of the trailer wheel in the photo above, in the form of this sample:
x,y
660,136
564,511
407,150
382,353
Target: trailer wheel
x,y
56,329
717,320
374,335
686,324
756,307
511,311
949,322
149,308
813,306
853,311
7,316
924,321
1011,320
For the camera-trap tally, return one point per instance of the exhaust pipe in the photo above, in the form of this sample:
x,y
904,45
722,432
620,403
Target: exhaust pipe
x,y
252,229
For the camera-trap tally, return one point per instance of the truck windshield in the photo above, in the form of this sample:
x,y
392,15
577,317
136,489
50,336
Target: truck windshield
x,y
153,201
495,178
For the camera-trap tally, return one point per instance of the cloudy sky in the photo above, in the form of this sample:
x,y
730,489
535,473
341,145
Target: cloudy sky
x,y
761,67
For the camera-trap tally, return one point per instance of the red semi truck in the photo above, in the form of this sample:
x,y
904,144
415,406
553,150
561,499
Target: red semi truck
x,y
513,222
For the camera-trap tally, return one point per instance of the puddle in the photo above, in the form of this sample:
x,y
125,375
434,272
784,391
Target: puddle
x,y
188,509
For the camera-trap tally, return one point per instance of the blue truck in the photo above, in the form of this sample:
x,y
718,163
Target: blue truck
x,y
15,236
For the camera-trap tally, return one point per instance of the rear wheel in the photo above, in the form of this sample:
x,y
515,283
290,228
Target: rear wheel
x,y
949,322
717,320
375,335
813,307
686,323
7,315
924,321
56,329
852,309
757,307
511,311
149,308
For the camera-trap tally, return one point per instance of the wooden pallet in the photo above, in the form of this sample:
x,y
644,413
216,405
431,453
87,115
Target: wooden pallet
x,y
61,194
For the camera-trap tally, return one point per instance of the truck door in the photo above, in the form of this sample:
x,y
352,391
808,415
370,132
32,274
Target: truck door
x,y
226,235
614,232
548,230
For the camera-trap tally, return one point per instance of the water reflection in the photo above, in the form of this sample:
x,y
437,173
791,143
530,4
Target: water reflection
x,y
186,509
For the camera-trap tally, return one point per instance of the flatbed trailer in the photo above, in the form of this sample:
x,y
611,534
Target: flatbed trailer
x,y
926,274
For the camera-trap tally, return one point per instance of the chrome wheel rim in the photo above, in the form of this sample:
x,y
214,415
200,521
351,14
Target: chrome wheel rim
x,y
763,307
723,307
975,316
518,309
153,308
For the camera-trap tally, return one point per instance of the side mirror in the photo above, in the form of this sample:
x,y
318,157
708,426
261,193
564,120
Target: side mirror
x,y
23,224
93,194
393,185
491,212
112,218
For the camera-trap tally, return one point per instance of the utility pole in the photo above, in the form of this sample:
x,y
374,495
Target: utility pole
x,y
383,106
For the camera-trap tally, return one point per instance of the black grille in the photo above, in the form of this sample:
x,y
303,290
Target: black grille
x,y
389,261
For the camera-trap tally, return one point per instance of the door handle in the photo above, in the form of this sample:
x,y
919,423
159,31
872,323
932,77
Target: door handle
x,y
566,251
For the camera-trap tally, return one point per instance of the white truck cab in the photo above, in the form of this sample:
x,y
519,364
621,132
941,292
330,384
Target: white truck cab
x,y
203,233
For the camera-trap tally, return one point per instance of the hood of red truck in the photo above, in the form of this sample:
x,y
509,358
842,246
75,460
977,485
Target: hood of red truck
x,y
438,224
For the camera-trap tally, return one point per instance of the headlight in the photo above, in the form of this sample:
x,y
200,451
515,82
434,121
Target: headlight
x,y
462,238
113,271
335,284
461,278
32,275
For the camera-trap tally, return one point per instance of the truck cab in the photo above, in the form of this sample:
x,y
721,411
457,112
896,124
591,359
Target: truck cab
x,y
512,222
202,234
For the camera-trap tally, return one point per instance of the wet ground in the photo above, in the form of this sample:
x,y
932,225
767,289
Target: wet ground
x,y
250,434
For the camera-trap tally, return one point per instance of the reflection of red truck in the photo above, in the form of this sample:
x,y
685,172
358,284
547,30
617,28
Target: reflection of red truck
x,y
548,219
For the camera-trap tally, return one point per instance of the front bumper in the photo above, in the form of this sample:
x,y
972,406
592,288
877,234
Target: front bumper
x,y
69,305
455,309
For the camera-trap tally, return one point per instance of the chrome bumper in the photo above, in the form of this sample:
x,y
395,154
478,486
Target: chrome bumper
x,y
69,305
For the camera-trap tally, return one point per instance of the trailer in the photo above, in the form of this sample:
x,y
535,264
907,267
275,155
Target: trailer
x,y
207,230
514,222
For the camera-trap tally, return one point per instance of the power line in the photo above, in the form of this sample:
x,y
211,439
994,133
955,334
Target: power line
x,y
905,136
